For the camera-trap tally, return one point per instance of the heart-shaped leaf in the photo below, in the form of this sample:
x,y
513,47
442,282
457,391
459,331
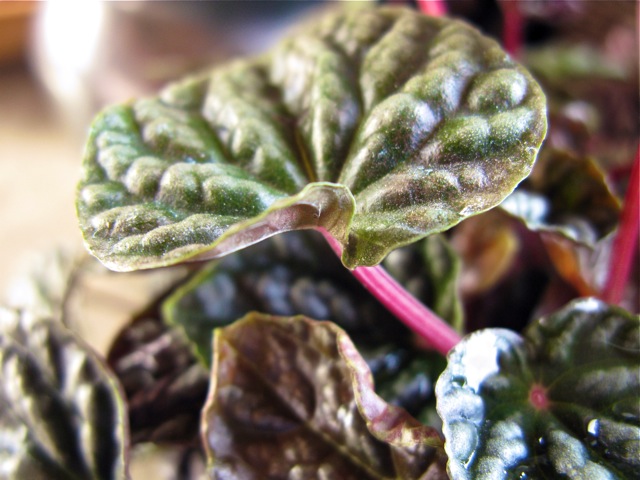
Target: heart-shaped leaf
x,y
292,398
61,412
380,125
560,403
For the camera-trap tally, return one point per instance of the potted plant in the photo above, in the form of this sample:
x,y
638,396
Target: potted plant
x,y
266,194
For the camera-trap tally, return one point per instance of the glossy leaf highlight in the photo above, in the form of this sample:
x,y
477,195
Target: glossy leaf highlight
x,y
380,125
562,402
61,412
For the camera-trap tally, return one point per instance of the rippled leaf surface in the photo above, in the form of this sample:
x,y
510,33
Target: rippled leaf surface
x,y
292,398
381,125
165,386
562,402
61,412
298,274
291,274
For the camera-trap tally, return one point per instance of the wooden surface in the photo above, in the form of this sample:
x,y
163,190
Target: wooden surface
x,y
39,167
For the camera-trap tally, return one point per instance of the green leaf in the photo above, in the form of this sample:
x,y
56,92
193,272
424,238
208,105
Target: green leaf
x,y
562,402
562,63
292,398
62,415
568,195
380,125
44,288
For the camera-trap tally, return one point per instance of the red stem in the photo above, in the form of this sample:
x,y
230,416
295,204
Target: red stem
x,y
435,8
436,332
430,327
625,244
512,28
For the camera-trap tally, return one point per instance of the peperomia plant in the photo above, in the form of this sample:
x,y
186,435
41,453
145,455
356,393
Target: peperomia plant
x,y
393,134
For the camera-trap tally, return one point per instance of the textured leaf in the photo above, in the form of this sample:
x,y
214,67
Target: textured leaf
x,y
380,125
307,409
165,386
291,274
61,412
560,403
297,274
568,195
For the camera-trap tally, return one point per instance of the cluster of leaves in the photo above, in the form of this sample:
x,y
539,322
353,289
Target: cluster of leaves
x,y
394,132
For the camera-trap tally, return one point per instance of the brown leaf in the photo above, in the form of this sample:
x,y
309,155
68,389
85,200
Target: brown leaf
x,y
291,398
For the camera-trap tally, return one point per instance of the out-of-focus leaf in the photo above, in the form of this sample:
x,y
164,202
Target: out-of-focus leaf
x,y
45,288
568,195
292,274
507,278
488,246
165,386
429,270
61,411
298,274
381,125
561,62
582,267
586,269
292,398
407,379
562,402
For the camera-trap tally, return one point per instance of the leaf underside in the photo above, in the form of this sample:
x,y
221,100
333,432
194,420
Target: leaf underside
x,y
562,402
292,398
61,412
380,125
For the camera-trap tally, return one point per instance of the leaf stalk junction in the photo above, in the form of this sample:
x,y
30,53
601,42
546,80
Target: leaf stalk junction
x,y
438,334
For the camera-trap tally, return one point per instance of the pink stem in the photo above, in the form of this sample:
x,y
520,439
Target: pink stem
x,y
626,241
436,332
512,28
435,8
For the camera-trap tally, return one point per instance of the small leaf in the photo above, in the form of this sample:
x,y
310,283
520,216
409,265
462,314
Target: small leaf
x,y
307,409
568,195
560,403
380,125
61,415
